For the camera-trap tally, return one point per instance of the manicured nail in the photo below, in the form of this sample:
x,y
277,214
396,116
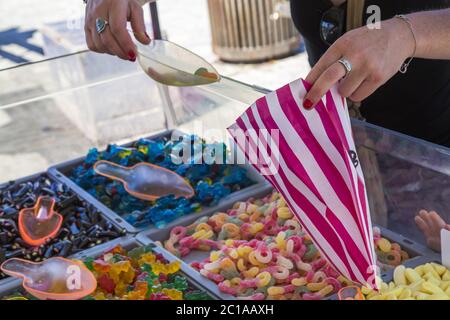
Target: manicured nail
x,y
132,56
307,104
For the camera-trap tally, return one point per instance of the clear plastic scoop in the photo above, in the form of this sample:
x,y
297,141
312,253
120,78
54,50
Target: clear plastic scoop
x,y
146,181
40,223
173,65
53,279
350,293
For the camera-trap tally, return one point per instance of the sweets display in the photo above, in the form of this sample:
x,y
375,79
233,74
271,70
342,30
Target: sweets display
x,y
260,252
140,274
430,281
262,239
83,227
211,182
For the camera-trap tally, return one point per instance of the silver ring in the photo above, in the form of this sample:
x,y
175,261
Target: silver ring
x,y
347,65
100,25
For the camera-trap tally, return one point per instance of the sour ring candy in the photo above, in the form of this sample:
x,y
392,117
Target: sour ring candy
x,y
264,279
263,255
281,273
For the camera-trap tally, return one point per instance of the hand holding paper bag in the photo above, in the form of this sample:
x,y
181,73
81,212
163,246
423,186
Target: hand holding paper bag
x,y
310,158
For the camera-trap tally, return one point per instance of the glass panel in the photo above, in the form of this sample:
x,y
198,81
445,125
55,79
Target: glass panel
x,y
54,111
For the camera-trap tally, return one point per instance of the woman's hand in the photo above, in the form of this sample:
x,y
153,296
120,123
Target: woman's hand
x,y
431,224
115,39
375,55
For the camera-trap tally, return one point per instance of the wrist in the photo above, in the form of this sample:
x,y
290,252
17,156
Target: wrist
x,y
402,33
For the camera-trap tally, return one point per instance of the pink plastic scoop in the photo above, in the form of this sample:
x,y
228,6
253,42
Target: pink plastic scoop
x,y
146,181
53,279
40,223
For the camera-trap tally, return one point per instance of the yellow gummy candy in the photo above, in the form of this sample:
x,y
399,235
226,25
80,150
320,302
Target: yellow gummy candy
x,y
284,213
428,268
384,245
431,277
421,296
281,203
366,290
430,288
316,286
419,270
173,294
326,290
447,291
255,228
298,282
446,275
439,268
396,292
411,275
406,293
399,275
273,291
444,285
264,279
214,256
280,240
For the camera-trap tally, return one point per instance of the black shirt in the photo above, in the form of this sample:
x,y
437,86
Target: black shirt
x,y
416,103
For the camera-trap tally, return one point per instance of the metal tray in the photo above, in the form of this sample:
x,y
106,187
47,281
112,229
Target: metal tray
x,y
127,243
61,172
118,225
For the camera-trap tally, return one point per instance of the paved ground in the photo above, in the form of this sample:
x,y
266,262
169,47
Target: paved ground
x,y
38,134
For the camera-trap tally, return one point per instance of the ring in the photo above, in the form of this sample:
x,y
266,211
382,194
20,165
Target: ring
x,y
100,25
347,65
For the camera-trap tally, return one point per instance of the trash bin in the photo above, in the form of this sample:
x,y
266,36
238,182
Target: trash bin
x,y
249,31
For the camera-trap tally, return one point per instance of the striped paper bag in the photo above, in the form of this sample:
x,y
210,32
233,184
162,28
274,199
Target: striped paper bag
x,y
310,158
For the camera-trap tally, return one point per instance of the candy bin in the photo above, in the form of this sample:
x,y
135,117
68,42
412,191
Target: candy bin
x,y
425,281
83,226
256,249
210,182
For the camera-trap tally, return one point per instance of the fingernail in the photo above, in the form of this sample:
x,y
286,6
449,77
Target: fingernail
x,y
131,56
307,104
146,34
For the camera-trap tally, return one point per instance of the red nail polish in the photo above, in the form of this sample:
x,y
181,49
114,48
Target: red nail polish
x,y
307,104
132,56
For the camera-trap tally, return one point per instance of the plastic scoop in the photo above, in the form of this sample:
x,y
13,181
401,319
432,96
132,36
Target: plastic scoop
x,y
173,65
53,279
40,223
146,181
350,293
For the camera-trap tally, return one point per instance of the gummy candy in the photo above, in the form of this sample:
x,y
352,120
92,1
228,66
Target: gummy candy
x,y
211,182
140,274
430,281
389,254
258,250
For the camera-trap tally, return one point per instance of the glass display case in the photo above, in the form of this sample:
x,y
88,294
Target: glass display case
x,y
54,111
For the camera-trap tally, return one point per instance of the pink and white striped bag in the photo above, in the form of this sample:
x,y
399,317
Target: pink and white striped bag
x,y
310,158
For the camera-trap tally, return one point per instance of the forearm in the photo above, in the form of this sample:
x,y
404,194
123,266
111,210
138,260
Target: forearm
x,y
432,31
